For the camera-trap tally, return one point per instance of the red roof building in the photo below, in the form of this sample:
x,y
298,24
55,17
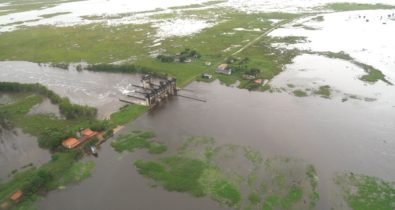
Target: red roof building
x,y
87,134
71,143
16,196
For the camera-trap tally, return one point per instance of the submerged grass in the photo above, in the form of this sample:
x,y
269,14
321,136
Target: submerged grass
x,y
299,93
323,91
202,169
365,192
138,140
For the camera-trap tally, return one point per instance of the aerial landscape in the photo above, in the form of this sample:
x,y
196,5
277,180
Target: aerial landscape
x,y
197,104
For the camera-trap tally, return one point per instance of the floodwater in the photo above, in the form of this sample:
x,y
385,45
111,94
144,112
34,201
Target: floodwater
x,y
46,107
334,136
18,150
312,71
367,36
100,90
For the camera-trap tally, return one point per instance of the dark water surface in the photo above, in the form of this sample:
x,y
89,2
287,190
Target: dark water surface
x,y
355,136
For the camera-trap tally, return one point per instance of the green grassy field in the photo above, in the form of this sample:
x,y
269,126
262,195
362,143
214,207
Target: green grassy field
x,y
357,6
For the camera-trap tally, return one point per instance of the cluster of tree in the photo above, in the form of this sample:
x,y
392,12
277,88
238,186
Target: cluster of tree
x,y
127,68
42,178
52,138
69,110
39,181
181,57
241,65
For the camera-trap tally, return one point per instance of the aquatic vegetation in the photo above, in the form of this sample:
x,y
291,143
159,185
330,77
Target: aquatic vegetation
x,y
138,140
373,75
323,91
363,192
299,93
201,168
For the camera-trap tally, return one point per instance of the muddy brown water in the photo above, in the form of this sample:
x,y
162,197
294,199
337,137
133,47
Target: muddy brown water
x,y
334,136
18,151
98,89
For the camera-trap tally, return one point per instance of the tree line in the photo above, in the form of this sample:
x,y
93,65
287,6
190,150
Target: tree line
x,y
126,68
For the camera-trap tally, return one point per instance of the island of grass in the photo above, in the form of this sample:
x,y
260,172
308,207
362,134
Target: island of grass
x,y
300,93
138,140
363,192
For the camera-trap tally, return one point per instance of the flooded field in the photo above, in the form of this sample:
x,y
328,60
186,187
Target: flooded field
x,y
18,151
361,36
100,90
340,63
332,135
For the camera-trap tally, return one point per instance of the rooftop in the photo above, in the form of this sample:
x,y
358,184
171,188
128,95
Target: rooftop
x,y
88,133
71,143
18,194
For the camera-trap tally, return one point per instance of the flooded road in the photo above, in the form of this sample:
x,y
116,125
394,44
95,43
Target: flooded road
x,y
332,135
100,90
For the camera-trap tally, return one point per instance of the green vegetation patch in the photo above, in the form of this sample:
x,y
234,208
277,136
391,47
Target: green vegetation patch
x,y
299,93
234,176
91,43
356,6
373,75
127,114
365,192
323,91
138,140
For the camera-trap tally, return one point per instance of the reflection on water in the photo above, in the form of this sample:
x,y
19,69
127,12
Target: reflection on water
x,y
18,150
46,107
332,135
101,90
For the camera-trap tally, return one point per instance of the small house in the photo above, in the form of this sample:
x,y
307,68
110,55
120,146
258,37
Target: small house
x,y
71,143
16,195
224,69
